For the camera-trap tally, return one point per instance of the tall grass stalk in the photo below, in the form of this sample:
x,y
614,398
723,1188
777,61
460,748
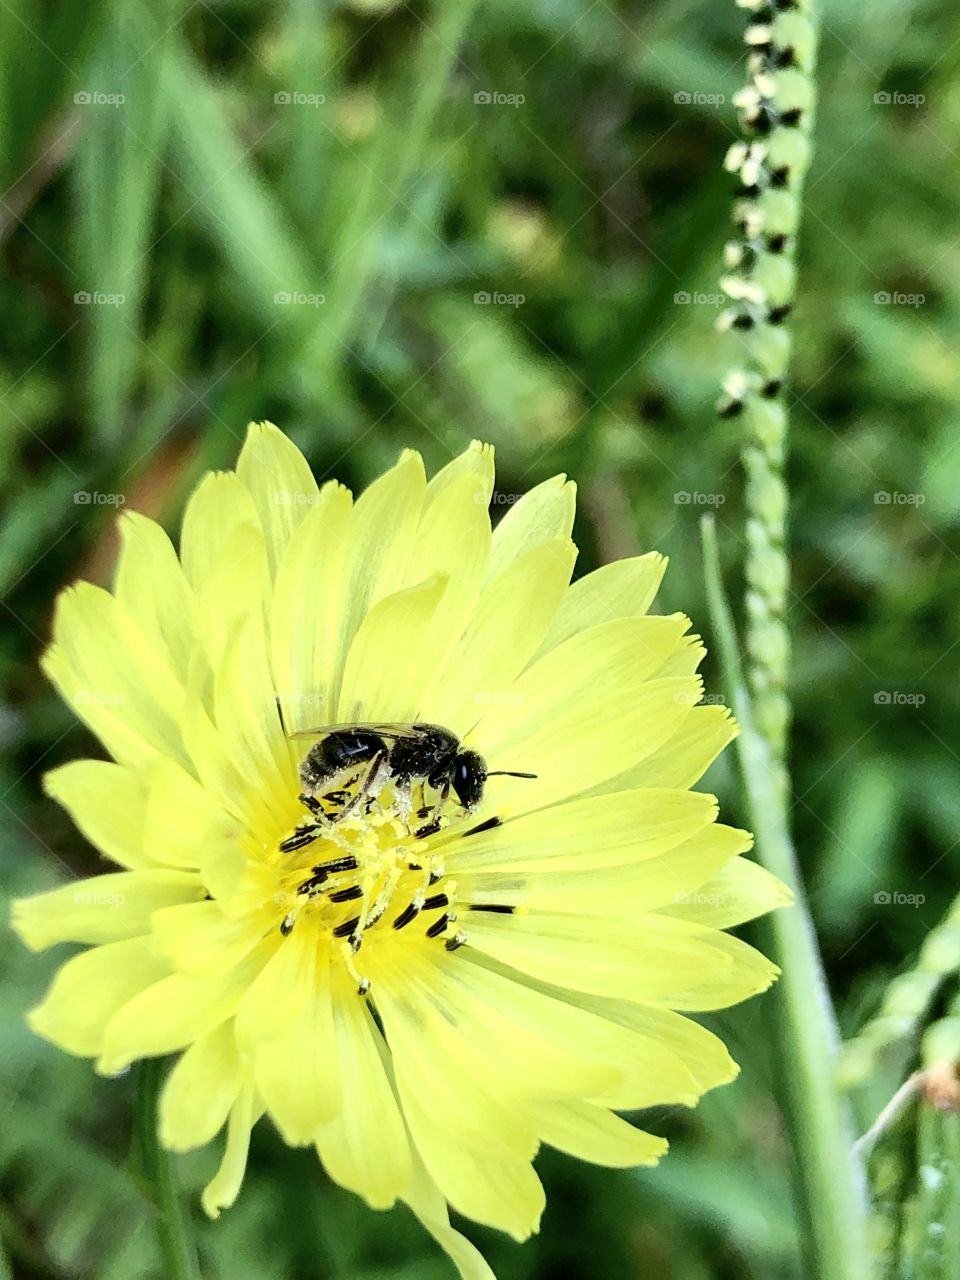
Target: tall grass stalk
x,y
777,113
828,1168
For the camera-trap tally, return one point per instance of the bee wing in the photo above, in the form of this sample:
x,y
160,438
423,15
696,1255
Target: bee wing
x,y
386,730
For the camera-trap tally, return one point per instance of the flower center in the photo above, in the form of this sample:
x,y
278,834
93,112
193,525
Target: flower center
x,y
363,861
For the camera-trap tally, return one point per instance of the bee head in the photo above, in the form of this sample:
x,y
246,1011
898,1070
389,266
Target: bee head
x,y
468,775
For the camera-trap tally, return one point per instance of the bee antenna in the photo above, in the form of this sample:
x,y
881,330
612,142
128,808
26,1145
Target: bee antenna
x,y
509,773
280,714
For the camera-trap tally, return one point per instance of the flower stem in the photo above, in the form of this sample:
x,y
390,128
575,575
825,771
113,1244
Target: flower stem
x,y
156,1169
834,1188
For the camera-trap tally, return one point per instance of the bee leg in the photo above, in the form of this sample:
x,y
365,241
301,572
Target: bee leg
x,y
313,804
362,789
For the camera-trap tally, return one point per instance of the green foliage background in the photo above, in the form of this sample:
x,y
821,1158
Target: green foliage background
x,y
600,198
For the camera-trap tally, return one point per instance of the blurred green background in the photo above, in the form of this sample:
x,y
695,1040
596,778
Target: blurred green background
x,y
216,212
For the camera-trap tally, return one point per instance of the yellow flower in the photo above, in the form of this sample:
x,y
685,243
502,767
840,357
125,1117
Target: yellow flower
x,y
422,988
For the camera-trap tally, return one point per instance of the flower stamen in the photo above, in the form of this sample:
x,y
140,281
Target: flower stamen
x,y
370,836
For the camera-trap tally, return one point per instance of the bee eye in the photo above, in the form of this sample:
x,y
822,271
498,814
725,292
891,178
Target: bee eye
x,y
469,775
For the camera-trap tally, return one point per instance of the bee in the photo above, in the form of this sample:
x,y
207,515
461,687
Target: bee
x,y
410,753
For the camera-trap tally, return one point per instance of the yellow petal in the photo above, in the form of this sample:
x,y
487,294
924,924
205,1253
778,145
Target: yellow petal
x,y
218,506
250,729
624,589
497,1192
453,540
645,885
182,820
225,560
586,742
225,1185
686,755
173,1012
434,1058
741,891
152,587
427,1202
308,610
281,483
703,1055
685,659
298,1073
107,802
584,712
200,1090
595,1134
212,764
102,908
541,515
519,1044
653,958
476,460
114,677
236,591
198,939
282,988
586,833
365,1147
549,1025
185,825
511,617
385,521
89,989
610,654
383,679
746,974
